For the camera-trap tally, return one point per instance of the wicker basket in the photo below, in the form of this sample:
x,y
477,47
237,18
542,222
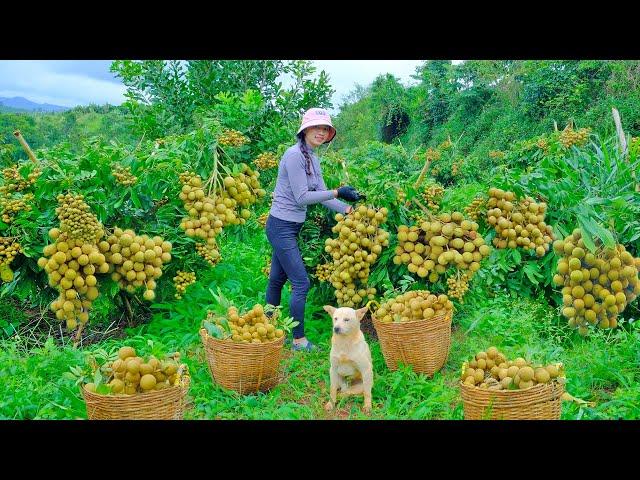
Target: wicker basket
x,y
243,367
539,402
165,404
423,344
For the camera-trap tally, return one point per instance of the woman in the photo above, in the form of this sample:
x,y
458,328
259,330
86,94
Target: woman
x,y
299,184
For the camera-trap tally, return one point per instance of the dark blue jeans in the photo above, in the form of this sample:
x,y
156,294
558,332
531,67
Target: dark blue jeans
x,y
286,263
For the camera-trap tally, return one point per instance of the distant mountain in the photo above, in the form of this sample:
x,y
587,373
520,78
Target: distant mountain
x,y
21,104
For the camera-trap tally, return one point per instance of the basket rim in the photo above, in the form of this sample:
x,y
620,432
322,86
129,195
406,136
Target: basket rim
x,y
435,317
240,344
539,386
186,384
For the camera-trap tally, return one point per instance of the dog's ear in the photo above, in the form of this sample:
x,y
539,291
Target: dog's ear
x,y
329,309
360,313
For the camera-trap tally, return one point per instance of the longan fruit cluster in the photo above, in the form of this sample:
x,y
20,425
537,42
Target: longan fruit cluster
x,y
10,206
252,327
412,306
262,219
124,176
543,144
264,161
458,285
181,281
518,223
432,154
433,194
209,252
401,195
323,272
359,243
596,287
232,138
446,144
76,220
9,249
209,215
14,182
137,260
456,166
206,215
130,374
492,370
570,137
476,208
496,154
244,188
71,265
431,247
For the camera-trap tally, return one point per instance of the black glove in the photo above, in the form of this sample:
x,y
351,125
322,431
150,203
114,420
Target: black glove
x,y
348,193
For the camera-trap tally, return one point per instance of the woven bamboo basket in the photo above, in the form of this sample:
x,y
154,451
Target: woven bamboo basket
x,y
539,402
165,404
423,344
243,367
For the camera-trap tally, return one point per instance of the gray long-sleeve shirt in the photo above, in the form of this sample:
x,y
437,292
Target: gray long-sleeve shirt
x,y
295,189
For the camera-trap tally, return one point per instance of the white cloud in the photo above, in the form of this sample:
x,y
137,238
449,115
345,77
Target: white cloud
x,y
57,83
345,74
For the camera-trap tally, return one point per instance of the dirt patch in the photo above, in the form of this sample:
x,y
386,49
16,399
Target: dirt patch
x,y
366,325
42,324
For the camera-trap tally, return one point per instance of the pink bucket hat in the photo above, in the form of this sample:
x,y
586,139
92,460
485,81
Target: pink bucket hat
x,y
318,116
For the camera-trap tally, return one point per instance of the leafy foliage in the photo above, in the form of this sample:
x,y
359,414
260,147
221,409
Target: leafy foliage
x,y
167,97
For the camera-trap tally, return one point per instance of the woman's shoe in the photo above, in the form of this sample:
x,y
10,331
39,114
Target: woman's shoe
x,y
308,347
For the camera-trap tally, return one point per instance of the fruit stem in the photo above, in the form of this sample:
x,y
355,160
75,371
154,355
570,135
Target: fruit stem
x,y
76,339
128,306
214,180
426,210
422,173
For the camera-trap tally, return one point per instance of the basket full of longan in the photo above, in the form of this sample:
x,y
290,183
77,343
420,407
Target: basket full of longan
x,y
138,389
414,328
244,351
494,388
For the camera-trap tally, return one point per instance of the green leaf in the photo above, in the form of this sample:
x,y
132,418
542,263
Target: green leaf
x,y
532,272
213,330
135,200
103,389
588,241
597,230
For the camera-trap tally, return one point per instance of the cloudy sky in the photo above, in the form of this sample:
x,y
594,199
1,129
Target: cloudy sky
x,y
81,82
61,82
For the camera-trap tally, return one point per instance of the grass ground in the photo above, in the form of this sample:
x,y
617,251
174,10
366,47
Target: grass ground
x,y
603,368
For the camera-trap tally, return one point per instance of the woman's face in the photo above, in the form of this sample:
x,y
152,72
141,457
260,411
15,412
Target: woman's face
x,y
317,135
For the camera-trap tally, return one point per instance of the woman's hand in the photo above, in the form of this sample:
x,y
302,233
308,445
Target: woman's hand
x,y
349,209
348,193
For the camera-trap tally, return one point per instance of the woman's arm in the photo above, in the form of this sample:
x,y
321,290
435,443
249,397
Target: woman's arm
x,y
294,164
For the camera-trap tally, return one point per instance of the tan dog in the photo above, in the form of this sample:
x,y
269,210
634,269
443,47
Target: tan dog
x,y
350,357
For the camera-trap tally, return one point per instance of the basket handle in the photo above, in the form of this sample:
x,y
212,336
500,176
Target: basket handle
x,y
370,303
